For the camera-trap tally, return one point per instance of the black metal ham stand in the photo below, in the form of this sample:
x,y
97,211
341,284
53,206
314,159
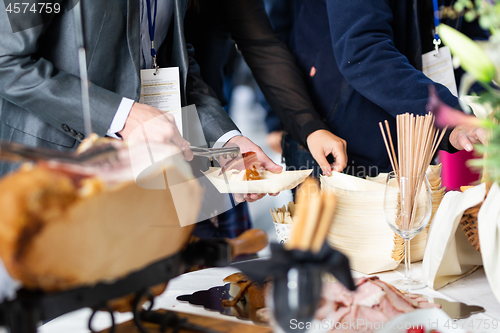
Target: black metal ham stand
x,y
31,308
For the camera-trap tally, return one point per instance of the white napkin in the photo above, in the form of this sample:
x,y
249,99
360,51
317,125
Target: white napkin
x,y
489,238
449,255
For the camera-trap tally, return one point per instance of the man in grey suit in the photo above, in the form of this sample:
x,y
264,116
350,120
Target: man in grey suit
x,y
40,100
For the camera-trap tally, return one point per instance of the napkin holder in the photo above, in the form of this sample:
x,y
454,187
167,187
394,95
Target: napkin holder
x,y
297,280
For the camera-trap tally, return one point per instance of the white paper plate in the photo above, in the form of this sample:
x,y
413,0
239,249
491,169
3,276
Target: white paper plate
x,y
273,182
340,181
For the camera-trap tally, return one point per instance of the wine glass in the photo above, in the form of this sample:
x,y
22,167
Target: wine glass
x,y
407,209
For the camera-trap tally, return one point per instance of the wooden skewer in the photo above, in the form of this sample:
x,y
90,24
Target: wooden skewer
x,y
273,216
387,146
439,141
398,122
392,146
419,150
406,150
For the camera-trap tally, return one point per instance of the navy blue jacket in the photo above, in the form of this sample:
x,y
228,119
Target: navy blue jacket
x,y
367,60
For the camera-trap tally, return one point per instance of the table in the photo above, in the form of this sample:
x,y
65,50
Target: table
x,y
473,290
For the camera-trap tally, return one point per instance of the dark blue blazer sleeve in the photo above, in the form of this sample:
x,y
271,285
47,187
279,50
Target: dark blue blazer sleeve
x,y
362,39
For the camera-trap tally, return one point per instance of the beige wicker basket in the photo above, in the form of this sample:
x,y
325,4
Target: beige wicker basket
x,y
469,225
469,221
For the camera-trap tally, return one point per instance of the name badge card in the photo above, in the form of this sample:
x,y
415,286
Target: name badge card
x,y
438,67
161,89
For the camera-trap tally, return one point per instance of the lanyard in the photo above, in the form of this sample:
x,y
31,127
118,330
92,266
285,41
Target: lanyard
x,y
152,26
437,40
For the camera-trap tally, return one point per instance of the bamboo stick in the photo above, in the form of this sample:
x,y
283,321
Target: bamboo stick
x,y
392,147
387,146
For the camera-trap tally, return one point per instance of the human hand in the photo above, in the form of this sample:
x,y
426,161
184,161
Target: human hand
x,y
246,145
464,136
322,143
159,126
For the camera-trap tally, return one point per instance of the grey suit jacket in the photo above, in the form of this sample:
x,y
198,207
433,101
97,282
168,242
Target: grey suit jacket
x,y
40,99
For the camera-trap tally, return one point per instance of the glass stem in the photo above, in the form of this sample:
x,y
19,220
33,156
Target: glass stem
x,y
407,260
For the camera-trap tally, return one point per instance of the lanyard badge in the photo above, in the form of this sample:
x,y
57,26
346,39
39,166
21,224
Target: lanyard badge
x,y
152,26
437,64
160,87
437,40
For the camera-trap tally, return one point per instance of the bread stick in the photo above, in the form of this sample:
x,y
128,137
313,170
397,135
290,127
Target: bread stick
x,y
329,204
299,220
315,206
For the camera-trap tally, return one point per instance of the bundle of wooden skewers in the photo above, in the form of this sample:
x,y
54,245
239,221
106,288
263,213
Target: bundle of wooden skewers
x,y
284,214
417,143
314,213
283,221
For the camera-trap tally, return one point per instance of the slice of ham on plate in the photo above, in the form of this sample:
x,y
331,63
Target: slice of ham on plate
x,y
396,298
244,167
373,303
387,308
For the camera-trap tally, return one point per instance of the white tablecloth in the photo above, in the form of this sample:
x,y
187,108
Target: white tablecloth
x,y
473,290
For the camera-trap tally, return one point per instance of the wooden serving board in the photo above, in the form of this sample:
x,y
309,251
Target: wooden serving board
x,y
221,325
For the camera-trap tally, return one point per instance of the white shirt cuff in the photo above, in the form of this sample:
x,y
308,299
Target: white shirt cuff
x,y
120,118
225,138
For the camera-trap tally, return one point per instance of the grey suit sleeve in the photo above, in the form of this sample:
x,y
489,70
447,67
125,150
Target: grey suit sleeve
x,y
33,83
214,119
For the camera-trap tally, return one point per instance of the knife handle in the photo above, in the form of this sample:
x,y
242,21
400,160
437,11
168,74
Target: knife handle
x,y
249,242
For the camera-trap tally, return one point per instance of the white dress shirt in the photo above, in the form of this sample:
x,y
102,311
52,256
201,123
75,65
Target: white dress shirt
x,y
164,17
